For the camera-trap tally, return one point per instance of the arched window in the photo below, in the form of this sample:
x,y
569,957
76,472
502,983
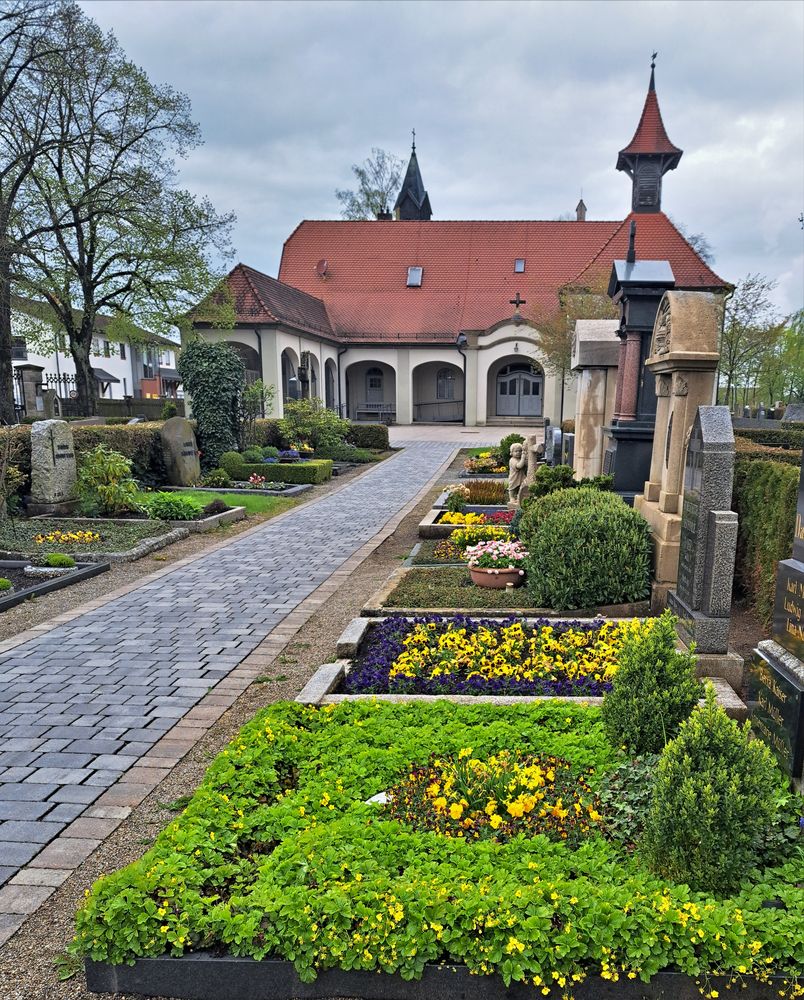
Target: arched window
x,y
329,382
374,385
290,381
445,383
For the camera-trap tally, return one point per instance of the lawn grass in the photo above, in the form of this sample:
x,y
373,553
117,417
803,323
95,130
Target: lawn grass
x,y
254,504
18,535
452,588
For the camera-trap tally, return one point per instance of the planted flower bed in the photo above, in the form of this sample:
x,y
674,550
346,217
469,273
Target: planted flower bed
x,y
87,539
440,523
478,492
371,838
20,580
188,511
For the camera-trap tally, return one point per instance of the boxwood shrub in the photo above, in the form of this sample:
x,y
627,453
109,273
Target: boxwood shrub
x,y
765,501
316,470
585,548
753,451
280,854
373,436
789,436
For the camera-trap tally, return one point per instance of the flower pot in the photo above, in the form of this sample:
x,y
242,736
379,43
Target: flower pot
x,y
497,579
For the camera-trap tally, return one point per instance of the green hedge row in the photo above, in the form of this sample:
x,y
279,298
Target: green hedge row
x,y
765,500
791,436
139,442
317,470
374,436
754,452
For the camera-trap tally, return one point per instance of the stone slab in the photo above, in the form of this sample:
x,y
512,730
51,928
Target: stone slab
x,y
53,466
352,636
323,681
776,702
180,450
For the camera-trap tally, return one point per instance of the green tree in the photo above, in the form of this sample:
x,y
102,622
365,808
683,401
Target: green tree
x,y
214,376
556,328
750,329
378,180
116,234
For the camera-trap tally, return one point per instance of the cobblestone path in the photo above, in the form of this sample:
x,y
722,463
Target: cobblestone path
x,y
82,703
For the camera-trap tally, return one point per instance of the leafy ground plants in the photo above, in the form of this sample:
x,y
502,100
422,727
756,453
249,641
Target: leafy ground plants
x,y
63,535
280,853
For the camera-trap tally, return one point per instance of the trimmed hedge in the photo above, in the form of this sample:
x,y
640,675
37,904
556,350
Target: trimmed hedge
x,y
765,496
585,548
373,436
752,451
791,436
317,470
141,443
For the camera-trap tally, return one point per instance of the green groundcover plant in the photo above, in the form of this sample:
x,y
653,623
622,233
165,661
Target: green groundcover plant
x,y
279,853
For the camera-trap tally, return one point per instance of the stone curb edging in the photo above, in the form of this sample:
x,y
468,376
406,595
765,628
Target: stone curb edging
x,y
152,544
50,582
213,521
39,879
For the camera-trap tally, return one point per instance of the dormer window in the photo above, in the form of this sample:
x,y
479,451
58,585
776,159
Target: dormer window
x,y
519,265
415,277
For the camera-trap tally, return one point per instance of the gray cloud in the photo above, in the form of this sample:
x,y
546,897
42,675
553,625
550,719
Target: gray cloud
x,y
517,106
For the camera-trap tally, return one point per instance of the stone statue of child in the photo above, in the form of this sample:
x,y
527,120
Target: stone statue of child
x,y
517,464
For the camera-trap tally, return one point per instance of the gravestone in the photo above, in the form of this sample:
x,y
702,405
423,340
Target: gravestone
x,y
568,450
746,412
761,414
702,598
552,446
53,470
595,356
180,449
776,675
794,414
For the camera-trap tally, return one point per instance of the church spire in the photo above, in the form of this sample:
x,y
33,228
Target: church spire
x,y
413,203
650,154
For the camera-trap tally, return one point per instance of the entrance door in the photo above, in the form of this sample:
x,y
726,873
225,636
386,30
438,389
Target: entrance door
x,y
519,391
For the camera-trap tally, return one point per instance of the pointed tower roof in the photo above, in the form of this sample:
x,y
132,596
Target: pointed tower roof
x,y
651,136
413,203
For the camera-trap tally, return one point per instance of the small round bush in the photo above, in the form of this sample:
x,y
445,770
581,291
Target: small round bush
x,y
56,560
269,451
654,689
171,507
217,478
232,464
504,447
252,455
715,794
536,510
168,410
5,584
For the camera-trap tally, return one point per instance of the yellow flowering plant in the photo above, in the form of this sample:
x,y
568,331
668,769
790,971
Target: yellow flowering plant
x,y
58,537
461,517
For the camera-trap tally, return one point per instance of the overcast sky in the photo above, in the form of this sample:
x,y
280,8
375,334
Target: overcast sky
x,y
517,106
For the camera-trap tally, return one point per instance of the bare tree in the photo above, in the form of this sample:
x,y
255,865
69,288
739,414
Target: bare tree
x,y
698,241
116,235
557,328
29,37
378,180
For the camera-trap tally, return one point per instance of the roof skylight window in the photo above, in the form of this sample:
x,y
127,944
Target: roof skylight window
x,y
415,277
519,265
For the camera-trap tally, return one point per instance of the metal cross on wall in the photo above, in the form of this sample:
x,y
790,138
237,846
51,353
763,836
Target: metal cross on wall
x,y
517,302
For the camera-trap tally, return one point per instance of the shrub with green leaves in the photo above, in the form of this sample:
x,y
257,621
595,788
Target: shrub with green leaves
x,y
217,478
549,478
654,689
58,560
714,796
5,584
504,447
342,452
171,506
625,795
169,410
269,451
214,375
372,436
105,483
233,465
586,548
254,454
308,421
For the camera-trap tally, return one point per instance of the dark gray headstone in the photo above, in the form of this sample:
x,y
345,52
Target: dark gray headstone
x,y
788,610
557,439
548,444
761,414
794,414
568,450
747,412
702,598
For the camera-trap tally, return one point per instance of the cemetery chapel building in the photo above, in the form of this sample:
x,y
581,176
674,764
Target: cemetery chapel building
x,y
416,320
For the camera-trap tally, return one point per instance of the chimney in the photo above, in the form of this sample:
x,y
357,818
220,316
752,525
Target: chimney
x,y
384,215
631,257
580,211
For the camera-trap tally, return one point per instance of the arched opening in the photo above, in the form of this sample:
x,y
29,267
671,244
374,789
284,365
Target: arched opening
x,y
308,375
438,393
329,384
250,359
370,391
291,386
516,388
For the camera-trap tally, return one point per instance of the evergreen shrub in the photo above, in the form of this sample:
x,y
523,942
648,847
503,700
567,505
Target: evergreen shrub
x,y
217,478
715,794
171,506
253,454
504,447
343,452
765,496
550,478
5,584
308,421
654,690
593,549
372,436
753,451
214,375
788,436
58,560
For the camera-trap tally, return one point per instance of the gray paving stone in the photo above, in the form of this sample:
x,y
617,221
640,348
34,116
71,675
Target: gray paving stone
x,y
19,854
20,792
22,810
58,775
22,831
66,812
75,793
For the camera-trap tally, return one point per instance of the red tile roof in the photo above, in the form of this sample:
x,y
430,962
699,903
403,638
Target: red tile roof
x,y
651,135
469,273
261,299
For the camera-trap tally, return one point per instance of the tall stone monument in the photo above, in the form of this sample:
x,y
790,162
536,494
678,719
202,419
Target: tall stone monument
x,y
53,469
595,355
776,675
182,463
683,359
637,287
702,597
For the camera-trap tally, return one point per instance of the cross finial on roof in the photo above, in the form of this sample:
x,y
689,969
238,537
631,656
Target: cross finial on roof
x,y
517,301
653,60
652,85
414,139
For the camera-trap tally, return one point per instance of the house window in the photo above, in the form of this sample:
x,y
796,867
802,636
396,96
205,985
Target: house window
x,y
445,384
107,349
415,277
519,265
96,346
122,352
19,349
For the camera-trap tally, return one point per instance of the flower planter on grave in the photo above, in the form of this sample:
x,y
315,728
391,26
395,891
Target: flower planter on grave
x,y
497,579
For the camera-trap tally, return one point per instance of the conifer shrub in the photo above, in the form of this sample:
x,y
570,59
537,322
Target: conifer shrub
x,y
714,796
5,584
654,690
504,447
